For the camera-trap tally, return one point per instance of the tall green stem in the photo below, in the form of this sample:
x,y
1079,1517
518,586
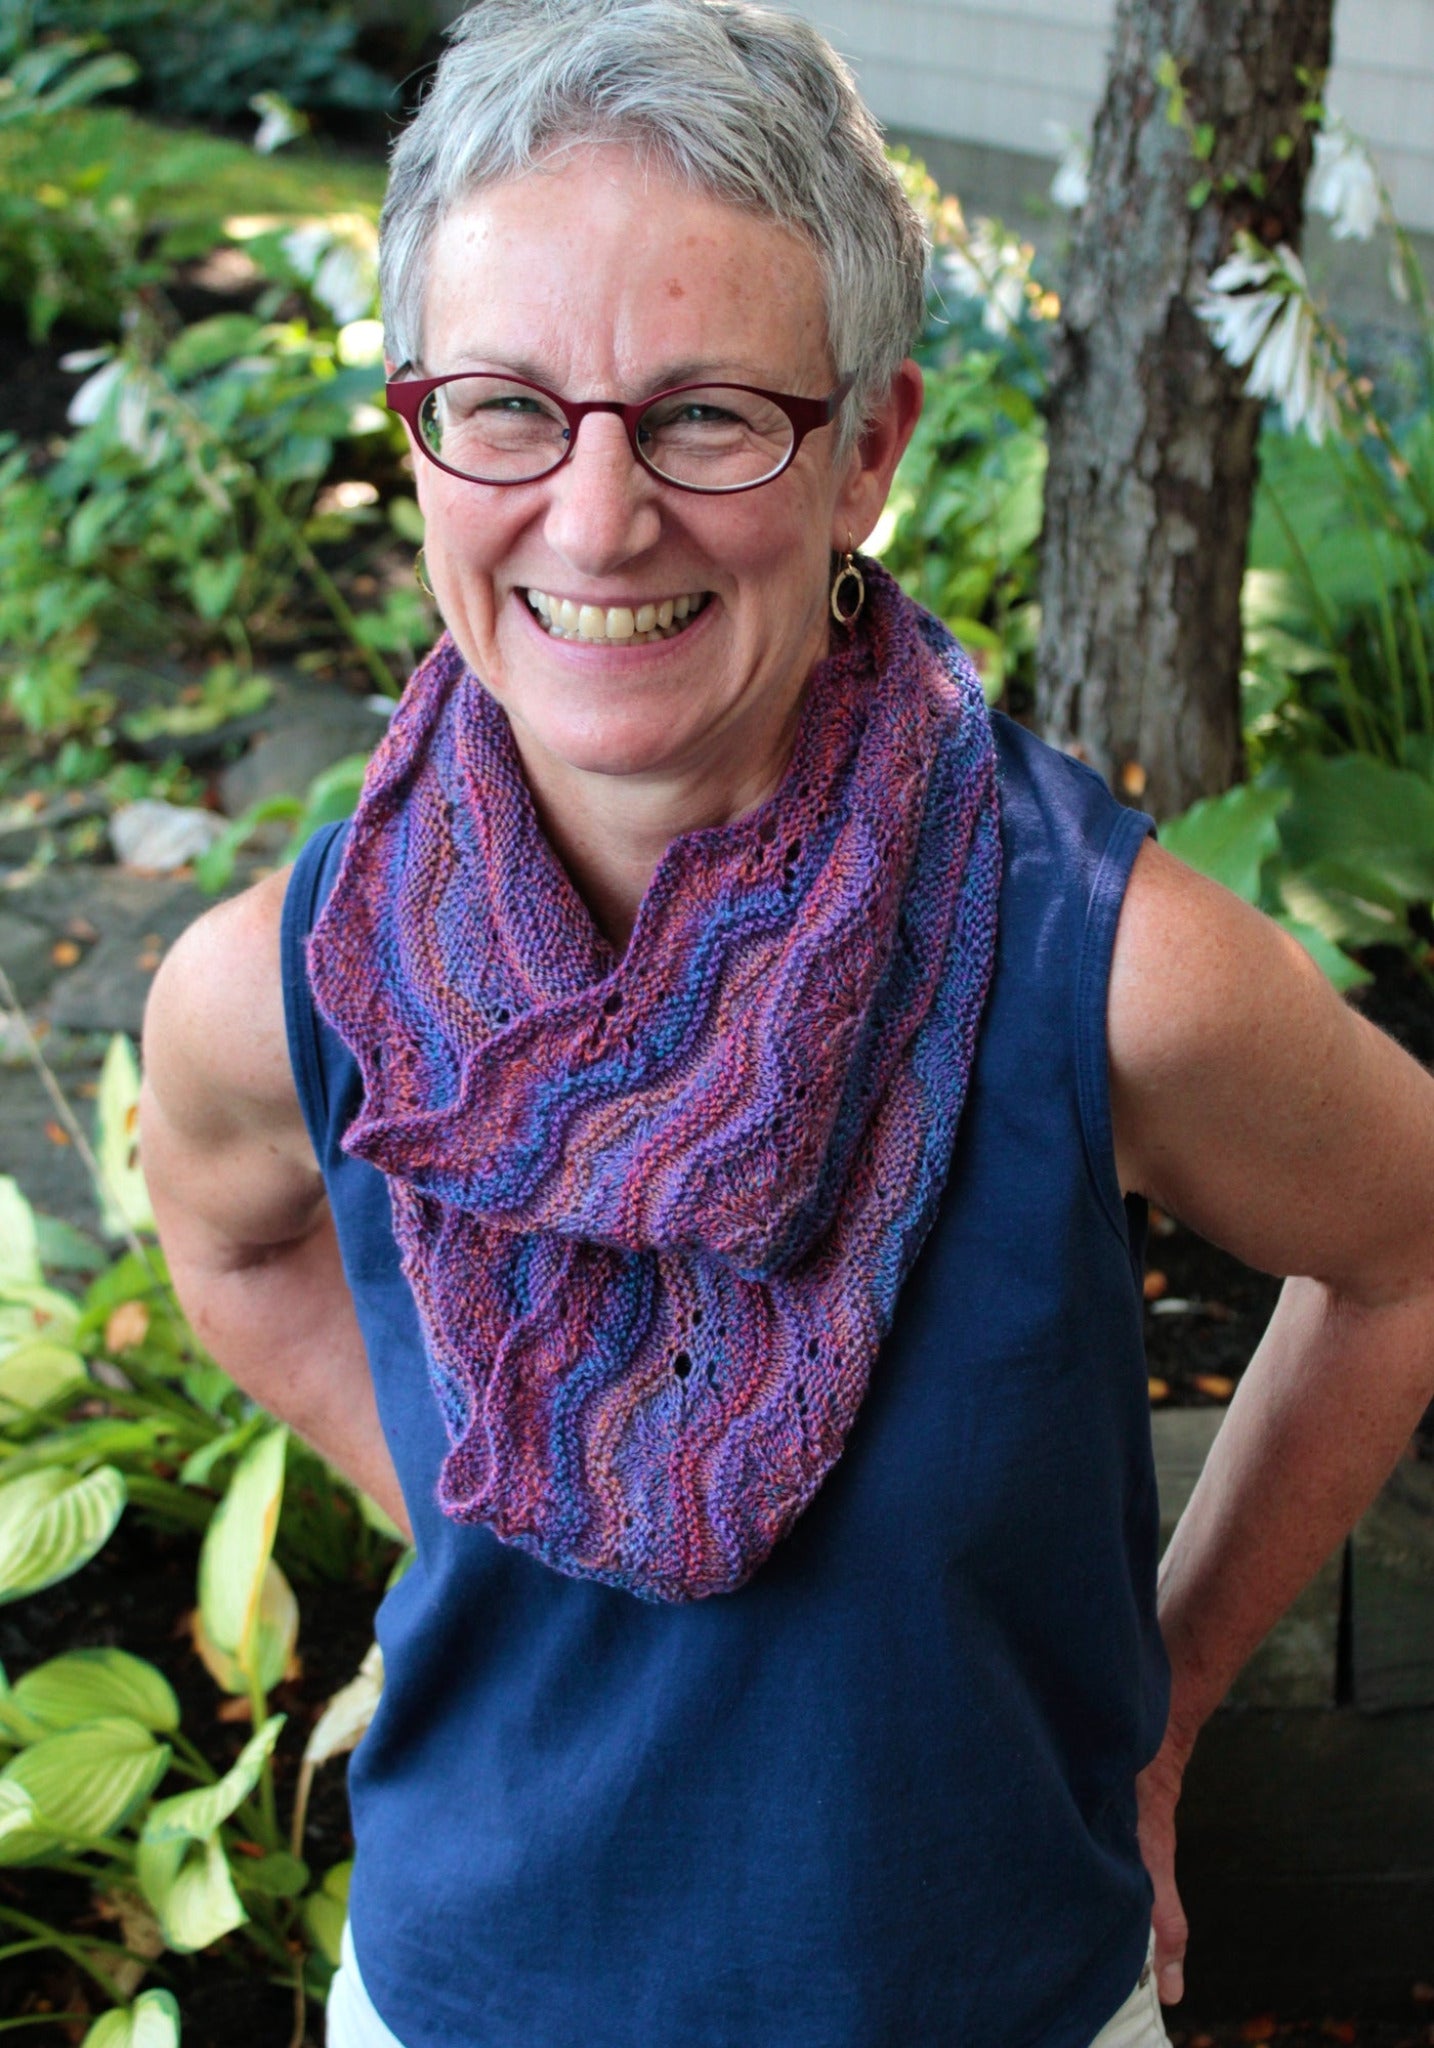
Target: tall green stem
x,y
74,1951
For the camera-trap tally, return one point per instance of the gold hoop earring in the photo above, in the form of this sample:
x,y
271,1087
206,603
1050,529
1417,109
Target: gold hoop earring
x,y
419,570
848,573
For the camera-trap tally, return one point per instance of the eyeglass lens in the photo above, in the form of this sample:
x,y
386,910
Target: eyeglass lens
x,y
709,439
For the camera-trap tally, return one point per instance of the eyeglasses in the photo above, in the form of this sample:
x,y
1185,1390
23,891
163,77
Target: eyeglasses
x,y
700,437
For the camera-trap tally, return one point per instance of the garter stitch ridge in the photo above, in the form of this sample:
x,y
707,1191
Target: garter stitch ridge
x,y
655,1211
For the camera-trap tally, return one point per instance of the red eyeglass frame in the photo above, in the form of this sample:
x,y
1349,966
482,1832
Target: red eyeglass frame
x,y
404,395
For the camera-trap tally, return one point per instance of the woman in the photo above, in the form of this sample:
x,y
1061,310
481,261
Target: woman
x,y
693,1171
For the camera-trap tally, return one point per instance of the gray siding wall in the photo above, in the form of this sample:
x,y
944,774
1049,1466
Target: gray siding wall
x,y
999,73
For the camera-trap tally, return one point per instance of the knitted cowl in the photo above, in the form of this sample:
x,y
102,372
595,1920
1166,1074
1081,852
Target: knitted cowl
x,y
655,1211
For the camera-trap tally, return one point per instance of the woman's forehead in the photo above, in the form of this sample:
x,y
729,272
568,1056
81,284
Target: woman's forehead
x,y
602,263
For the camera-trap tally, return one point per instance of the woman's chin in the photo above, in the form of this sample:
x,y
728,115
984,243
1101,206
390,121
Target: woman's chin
x,y
607,743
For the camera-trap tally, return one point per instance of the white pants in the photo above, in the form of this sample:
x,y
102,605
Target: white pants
x,y
353,2023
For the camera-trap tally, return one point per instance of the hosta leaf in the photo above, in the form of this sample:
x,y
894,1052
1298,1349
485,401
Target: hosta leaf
x,y
87,1781
347,1715
1341,970
51,1523
16,1726
71,1250
235,1554
30,1312
190,1888
194,1815
151,2022
124,1199
197,1467
37,1372
205,344
17,1813
85,1685
276,1631
1351,906
279,1876
1229,837
326,1910
19,1238
1362,812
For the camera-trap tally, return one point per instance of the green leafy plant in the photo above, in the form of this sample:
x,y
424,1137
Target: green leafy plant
x,y
91,1741
1344,538
207,61
961,526
186,494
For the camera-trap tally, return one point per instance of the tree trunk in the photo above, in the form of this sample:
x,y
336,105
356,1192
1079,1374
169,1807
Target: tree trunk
x,y
1152,445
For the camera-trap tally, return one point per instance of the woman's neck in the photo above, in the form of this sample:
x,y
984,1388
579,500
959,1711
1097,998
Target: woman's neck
x,y
610,831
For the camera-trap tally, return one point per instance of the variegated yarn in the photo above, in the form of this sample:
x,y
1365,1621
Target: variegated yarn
x,y
656,1211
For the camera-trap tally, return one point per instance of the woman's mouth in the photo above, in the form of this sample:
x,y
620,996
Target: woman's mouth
x,y
630,625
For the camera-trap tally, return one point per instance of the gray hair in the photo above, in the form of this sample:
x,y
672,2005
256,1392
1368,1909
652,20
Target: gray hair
x,y
742,103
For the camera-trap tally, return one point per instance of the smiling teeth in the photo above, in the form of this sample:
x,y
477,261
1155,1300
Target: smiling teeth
x,y
619,622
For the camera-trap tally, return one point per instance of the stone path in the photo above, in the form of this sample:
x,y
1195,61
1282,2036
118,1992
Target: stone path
x,y
81,942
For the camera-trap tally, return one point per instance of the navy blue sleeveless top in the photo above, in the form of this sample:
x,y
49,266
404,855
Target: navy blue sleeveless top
x,y
883,1796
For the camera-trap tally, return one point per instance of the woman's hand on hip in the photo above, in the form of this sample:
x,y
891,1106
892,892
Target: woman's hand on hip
x,y
1157,1791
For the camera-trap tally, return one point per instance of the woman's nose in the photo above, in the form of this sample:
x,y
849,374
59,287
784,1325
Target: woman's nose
x,y
602,507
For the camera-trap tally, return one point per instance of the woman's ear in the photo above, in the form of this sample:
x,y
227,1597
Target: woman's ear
x,y
872,463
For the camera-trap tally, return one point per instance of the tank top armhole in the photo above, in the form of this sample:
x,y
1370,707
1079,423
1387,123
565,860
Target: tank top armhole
x,y
1128,834
311,872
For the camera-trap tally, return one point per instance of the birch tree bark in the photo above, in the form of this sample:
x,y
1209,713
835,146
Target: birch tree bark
x,y
1152,445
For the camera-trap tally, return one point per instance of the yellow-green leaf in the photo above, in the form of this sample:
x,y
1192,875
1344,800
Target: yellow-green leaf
x,y
151,2022
36,1372
195,1815
190,1888
85,1782
30,1312
348,1713
85,1685
276,1631
124,1198
19,1238
17,1814
52,1522
235,1554
326,1910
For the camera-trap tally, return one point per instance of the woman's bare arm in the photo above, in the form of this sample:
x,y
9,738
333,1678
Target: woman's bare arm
x,y
1267,1115
237,1192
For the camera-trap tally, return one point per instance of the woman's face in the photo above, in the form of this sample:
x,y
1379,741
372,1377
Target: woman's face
x,y
601,279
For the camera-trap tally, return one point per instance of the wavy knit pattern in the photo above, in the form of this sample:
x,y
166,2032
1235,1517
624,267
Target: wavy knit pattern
x,y
656,1211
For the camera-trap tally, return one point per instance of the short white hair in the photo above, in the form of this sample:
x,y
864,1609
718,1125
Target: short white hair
x,y
742,103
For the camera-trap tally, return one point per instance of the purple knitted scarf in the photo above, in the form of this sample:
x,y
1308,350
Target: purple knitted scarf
x,y
655,1211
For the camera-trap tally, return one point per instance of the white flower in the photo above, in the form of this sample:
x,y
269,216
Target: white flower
x,y
345,282
278,122
1258,309
1344,185
337,261
131,390
89,401
994,268
306,244
1070,187
85,358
